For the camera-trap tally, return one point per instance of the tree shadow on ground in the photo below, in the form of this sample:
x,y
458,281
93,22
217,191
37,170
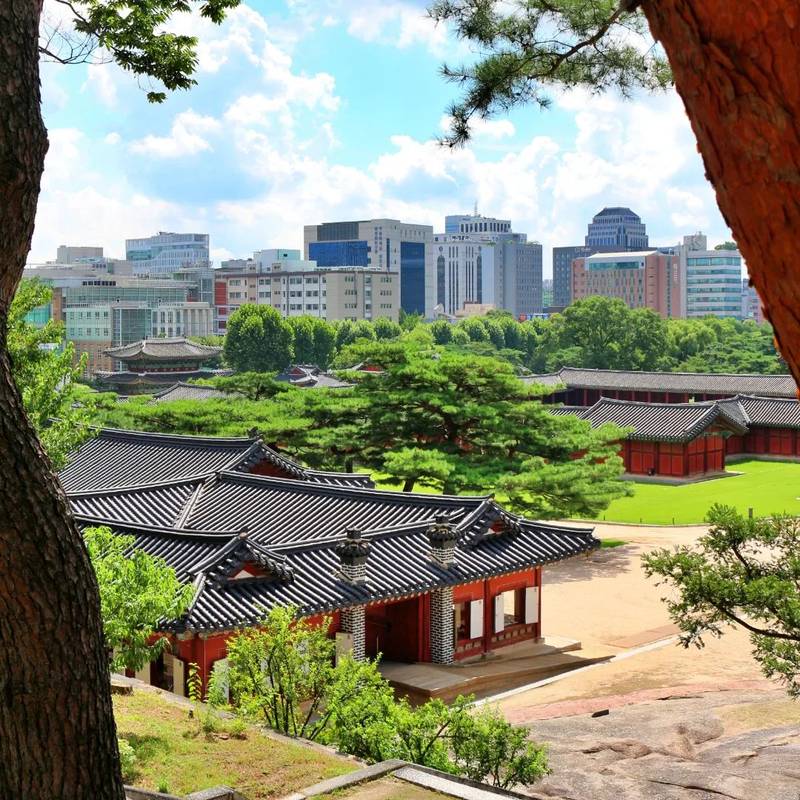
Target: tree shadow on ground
x,y
606,562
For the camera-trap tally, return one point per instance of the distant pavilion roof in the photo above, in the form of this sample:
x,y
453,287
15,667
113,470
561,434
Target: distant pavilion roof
x,y
121,459
310,376
174,349
191,391
677,382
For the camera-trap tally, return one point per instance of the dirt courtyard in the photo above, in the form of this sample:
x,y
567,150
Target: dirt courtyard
x,y
606,601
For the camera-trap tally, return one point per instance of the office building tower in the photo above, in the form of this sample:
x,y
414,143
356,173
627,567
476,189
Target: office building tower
x,y
383,244
646,279
167,253
712,279
615,230
67,254
562,272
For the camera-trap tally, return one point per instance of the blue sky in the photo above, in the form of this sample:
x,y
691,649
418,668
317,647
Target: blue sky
x,y
314,110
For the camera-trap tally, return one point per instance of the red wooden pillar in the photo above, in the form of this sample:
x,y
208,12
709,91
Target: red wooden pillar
x,y
488,616
537,581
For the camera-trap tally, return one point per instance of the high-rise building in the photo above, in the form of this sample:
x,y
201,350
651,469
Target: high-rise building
x,y
752,308
616,229
475,223
712,279
102,311
646,279
482,261
383,244
167,252
67,254
562,272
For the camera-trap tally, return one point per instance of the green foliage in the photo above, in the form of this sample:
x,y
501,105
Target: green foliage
x,y
127,760
413,465
727,246
137,590
134,34
46,371
284,675
744,572
486,747
218,685
258,339
280,672
526,47
252,385
194,683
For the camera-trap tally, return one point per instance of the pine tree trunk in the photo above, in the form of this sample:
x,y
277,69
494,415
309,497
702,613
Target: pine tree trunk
x,y
737,68
57,735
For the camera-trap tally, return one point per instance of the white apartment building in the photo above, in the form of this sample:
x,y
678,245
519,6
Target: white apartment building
x,y
712,279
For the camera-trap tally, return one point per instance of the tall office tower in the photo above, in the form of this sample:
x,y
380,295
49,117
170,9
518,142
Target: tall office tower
x,y
751,303
167,253
383,244
480,260
615,230
562,272
712,279
646,279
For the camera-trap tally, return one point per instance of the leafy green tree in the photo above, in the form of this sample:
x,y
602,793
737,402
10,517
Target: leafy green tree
x,y
475,329
726,246
603,333
258,339
386,329
137,591
442,331
743,573
482,421
45,370
417,466
486,747
252,385
409,321
303,339
324,342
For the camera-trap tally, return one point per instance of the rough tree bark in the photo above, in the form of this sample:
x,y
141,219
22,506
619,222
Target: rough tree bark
x,y
57,734
737,68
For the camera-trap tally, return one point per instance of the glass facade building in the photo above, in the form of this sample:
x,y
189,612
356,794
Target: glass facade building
x,y
339,254
713,283
412,277
616,230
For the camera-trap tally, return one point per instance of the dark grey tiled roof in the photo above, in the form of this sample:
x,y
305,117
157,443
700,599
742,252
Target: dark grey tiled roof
x,y
292,530
678,382
126,378
309,376
665,422
563,411
175,348
191,391
117,458
770,412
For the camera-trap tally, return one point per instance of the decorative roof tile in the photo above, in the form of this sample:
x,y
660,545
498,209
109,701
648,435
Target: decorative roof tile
x,y
173,349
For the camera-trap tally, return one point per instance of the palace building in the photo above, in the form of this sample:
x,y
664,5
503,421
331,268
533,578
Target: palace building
x,y
157,363
417,578
694,440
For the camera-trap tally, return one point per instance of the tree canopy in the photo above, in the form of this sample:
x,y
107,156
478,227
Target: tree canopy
x,y
258,339
137,591
744,572
526,47
45,370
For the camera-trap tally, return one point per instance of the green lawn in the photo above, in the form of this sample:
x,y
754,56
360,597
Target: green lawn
x,y
174,754
768,487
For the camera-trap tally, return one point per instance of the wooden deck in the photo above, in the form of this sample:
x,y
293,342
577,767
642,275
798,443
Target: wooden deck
x,y
506,668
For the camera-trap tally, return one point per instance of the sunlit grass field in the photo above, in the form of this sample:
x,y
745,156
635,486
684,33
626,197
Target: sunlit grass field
x,y
768,487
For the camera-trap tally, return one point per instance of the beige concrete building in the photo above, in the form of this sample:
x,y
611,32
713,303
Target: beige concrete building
x,y
332,294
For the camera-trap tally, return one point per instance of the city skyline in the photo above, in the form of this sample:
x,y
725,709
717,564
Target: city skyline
x,y
317,128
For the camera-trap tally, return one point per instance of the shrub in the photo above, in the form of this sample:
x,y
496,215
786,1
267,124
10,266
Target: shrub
x,y
127,760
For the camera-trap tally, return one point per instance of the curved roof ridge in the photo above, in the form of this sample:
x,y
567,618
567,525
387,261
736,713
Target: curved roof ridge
x,y
166,530
306,486
221,441
136,487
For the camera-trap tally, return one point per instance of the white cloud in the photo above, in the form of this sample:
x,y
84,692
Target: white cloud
x,y
187,137
399,23
102,79
112,138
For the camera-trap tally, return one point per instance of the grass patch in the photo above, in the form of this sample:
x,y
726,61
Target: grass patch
x,y
171,751
768,487
604,543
